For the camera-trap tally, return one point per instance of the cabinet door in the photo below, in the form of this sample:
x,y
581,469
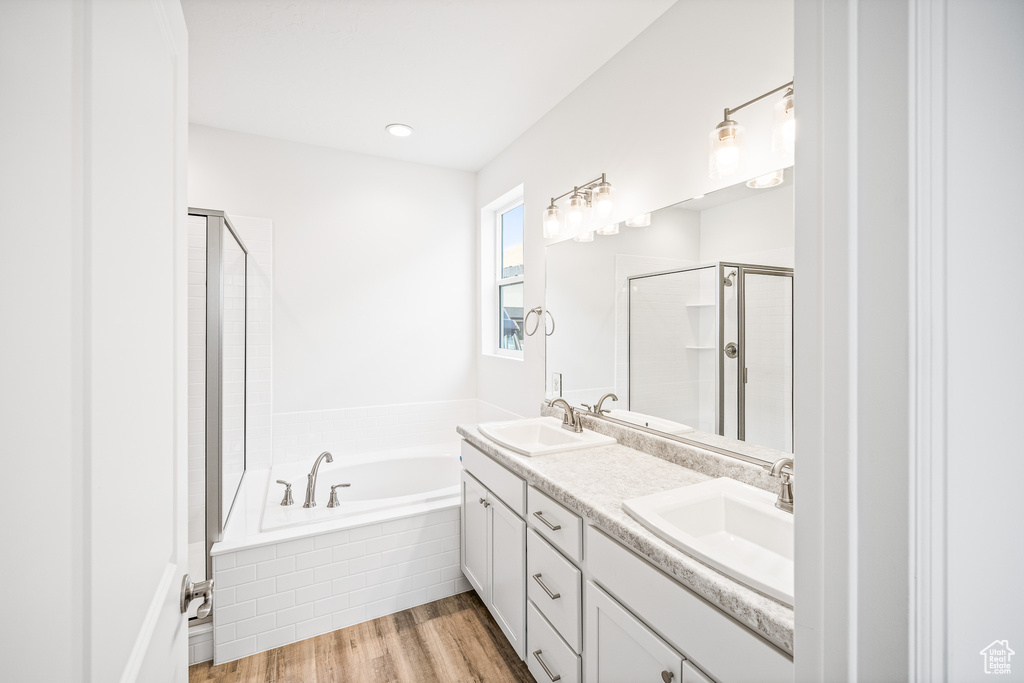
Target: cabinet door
x,y
621,648
474,535
507,576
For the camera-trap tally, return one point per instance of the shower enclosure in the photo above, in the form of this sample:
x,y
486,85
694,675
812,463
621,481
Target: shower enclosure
x,y
711,346
217,383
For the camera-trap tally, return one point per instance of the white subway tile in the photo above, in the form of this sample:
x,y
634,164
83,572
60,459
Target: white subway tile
x,y
313,627
364,595
353,615
221,562
234,577
255,555
293,615
427,579
313,559
276,638
256,625
201,652
359,565
440,590
349,550
287,582
238,612
223,596
451,572
273,603
329,572
318,591
346,584
256,589
228,652
226,633
331,605
275,567
363,532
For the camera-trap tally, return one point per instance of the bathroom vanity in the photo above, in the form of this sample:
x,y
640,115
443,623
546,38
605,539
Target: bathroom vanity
x,y
586,593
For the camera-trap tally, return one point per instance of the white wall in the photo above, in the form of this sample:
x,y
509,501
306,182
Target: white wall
x,y
373,268
644,119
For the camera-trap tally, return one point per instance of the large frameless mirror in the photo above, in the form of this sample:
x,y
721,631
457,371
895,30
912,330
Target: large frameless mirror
x,y
687,320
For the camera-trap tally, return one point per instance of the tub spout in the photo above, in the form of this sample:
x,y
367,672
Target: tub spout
x,y
311,480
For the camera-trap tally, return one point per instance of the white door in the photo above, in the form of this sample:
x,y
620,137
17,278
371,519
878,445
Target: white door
x,y
621,649
474,534
135,138
93,181
507,575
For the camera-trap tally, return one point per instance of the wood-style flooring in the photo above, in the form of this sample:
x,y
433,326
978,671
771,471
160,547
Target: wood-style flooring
x,y
454,639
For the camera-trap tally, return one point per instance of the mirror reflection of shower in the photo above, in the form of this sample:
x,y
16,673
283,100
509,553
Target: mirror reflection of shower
x,y
727,280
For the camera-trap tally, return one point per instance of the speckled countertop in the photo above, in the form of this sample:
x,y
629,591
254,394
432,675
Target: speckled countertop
x,y
594,482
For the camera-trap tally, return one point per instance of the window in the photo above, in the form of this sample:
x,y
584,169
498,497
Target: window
x,y
509,240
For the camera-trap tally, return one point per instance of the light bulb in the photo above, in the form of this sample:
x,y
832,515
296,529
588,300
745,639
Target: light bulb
x,y
552,224
767,180
603,198
724,157
610,229
585,236
399,130
574,213
641,221
784,128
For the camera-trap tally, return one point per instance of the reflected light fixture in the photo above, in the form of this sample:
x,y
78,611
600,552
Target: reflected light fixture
x,y
641,221
595,195
399,130
767,180
726,140
585,236
784,130
610,229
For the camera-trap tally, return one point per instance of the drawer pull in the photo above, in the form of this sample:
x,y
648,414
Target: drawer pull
x,y
553,596
540,661
667,676
540,515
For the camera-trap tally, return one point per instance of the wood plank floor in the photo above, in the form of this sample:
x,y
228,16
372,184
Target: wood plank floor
x,y
454,639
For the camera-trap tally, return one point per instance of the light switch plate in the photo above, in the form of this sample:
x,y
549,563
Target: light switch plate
x,y
556,384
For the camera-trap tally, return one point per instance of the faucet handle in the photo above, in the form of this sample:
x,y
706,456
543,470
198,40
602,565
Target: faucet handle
x,y
588,406
287,500
334,502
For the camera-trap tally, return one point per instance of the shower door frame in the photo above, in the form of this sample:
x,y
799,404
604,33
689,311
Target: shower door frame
x,y
215,520
741,339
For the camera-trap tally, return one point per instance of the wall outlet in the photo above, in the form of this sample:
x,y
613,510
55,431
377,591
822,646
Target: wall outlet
x,y
556,384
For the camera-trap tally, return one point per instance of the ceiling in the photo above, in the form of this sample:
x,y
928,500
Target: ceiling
x,y
470,76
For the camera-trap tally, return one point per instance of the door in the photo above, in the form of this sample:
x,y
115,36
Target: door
x,y
135,364
507,575
621,648
474,534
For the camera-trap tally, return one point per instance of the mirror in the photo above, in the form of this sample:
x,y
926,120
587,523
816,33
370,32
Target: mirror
x,y
687,320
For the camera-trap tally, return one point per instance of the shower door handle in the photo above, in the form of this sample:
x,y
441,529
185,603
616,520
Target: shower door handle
x,y
732,350
190,591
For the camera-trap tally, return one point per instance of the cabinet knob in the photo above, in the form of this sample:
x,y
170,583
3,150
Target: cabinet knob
x,y
484,503
667,676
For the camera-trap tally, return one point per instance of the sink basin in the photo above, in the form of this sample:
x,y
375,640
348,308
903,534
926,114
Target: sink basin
x,y
645,420
728,525
540,436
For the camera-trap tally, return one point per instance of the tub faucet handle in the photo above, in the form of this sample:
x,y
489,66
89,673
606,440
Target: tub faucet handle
x,y
287,500
334,502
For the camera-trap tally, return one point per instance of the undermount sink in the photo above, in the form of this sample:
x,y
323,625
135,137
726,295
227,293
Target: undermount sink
x,y
728,525
540,436
650,421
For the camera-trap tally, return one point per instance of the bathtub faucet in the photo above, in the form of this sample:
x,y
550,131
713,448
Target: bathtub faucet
x,y
311,480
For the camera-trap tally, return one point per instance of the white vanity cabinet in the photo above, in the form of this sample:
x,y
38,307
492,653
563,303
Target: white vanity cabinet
x,y
494,546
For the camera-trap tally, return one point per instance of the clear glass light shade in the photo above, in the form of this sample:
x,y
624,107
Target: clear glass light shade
x,y
641,221
767,180
574,212
603,199
552,223
724,153
585,236
610,229
784,128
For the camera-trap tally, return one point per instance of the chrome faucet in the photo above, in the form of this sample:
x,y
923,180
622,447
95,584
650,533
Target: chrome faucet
x,y
598,409
785,501
570,421
311,480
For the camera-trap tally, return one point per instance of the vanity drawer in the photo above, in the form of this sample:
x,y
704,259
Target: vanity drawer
x,y
544,645
509,487
682,618
557,524
546,568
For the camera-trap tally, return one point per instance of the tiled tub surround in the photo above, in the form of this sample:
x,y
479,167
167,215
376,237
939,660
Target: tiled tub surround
x,y
278,587
594,483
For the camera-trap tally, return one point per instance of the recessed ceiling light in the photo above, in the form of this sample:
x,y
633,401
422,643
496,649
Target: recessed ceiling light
x,y
767,180
399,130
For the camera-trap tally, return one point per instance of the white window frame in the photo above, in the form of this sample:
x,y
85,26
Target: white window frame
x,y
500,282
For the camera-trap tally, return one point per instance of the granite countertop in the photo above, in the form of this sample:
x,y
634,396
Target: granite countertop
x,y
594,482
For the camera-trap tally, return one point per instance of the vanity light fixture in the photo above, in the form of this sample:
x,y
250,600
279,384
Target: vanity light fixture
x,y
784,130
726,139
641,221
767,180
585,236
610,229
595,195
399,130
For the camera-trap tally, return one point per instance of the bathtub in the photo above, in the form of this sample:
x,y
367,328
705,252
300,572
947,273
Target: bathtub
x,y
286,573
377,483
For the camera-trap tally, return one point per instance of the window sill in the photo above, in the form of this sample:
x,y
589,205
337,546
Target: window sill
x,y
504,356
